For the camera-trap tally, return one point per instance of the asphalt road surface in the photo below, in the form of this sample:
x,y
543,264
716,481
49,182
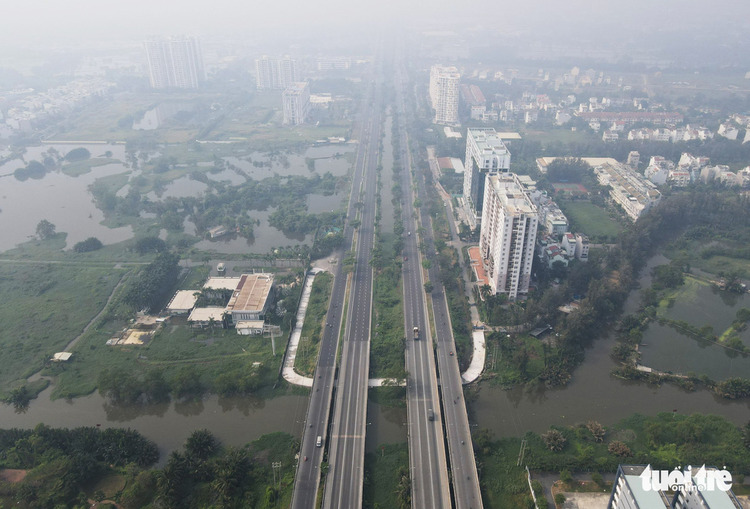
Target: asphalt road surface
x,y
427,461
457,432
316,424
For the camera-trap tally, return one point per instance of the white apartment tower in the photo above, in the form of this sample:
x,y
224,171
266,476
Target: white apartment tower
x,y
296,103
174,62
275,73
485,154
508,235
444,83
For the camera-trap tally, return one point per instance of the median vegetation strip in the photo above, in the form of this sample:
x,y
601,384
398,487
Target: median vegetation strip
x,y
315,320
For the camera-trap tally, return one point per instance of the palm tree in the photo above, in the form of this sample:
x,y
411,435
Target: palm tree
x,y
211,325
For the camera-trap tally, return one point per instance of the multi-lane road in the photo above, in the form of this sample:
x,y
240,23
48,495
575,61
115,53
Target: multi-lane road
x,y
457,432
434,418
345,480
427,461
316,424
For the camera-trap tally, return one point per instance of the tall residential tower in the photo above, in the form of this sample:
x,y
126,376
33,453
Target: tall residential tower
x,y
485,154
175,62
444,83
508,235
296,103
275,73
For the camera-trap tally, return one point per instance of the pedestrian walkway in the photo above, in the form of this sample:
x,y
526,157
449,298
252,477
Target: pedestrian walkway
x,y
477,358
288,372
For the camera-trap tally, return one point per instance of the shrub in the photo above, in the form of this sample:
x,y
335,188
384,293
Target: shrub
x,y
619,449
554,440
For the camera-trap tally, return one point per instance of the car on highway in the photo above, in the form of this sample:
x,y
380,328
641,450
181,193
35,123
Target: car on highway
x,y
430,414
319,441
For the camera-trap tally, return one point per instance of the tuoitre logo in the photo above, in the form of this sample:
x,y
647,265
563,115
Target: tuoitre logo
x,y
678,480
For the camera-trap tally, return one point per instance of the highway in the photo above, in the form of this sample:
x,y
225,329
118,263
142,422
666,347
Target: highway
x,y
457,432
307,478
345,480
430,486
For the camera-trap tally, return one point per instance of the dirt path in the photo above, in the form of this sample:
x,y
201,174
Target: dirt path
x,y
73,343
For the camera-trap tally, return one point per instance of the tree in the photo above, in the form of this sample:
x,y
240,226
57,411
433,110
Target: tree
x,y
77,154
619,449
90,244
428,287
554,440
201,444
597,430
45,229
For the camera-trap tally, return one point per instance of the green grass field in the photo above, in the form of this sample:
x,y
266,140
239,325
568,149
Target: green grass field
x,y
590,219
45,306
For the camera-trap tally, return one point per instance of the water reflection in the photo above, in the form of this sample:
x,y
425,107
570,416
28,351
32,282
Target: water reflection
x,y
593,393
126,413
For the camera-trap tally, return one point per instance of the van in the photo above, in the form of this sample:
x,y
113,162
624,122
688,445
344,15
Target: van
x,y
319,441
430,414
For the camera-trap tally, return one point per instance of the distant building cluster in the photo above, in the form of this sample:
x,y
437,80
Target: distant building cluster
x,y
562,249
444,86
334,63
550,215
174,62
627,188
275,73
30,108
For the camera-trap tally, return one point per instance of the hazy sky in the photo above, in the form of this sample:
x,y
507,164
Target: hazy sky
x,y
25,21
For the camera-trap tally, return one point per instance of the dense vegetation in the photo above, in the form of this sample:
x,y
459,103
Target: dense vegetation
x,y
664,441
64,467
151,286
62,463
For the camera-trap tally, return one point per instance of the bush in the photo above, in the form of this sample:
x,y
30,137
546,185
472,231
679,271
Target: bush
x,y
90,244
554,440
559,499
77,154
619,449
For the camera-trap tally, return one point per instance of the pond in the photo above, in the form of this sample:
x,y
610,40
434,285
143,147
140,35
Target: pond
x,y
593,393
697,303
264,238
259,165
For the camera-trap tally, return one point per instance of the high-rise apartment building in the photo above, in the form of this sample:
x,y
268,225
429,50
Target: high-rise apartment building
x,y
485,153
175,62
275,73
508,235
296,103
444,82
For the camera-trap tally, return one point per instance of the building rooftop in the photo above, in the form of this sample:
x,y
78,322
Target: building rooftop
x,y
183,299
487,140
251,293
205,314
296,88
221,283
511,194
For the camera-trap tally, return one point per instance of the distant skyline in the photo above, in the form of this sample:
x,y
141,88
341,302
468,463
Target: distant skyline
x,y
38,21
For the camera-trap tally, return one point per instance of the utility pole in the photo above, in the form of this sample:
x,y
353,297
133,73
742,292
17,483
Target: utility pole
x,y
276,465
